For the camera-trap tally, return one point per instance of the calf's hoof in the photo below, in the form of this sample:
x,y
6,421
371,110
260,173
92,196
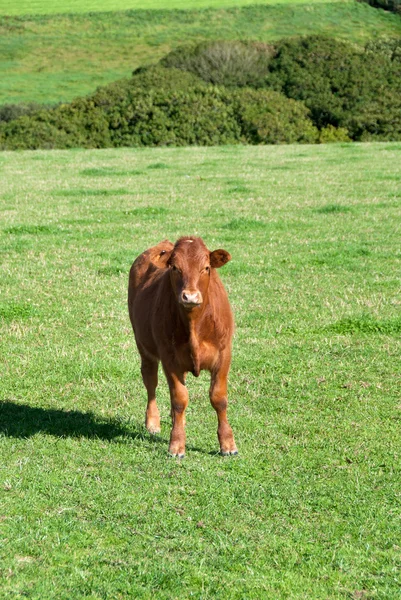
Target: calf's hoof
x,y
176,449
172,455
229,452
153,429
152,424
227,445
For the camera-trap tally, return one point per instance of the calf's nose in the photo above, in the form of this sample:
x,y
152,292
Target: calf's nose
x,y
191,297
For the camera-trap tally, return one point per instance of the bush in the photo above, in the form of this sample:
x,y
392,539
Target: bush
x,y
10,112
159,107
351,92
156,107
388,47
228,63
86,122
378,119
201,115
160,77
79,124
332,135
391,5
313,89
343,86
268,117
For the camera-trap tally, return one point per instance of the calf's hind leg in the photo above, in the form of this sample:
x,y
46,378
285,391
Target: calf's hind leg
x,y
149,375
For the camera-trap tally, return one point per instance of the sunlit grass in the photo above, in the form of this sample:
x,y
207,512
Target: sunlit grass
x,y
90,505
56,58
49,7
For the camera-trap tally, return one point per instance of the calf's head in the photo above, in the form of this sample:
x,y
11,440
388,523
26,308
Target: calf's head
x,y
191,264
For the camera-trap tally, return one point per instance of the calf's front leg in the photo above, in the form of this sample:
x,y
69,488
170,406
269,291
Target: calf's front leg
x,y
179,402
218,399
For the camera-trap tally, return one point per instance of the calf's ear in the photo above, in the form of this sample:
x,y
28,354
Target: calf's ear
x,y
165,256
218,258
160,254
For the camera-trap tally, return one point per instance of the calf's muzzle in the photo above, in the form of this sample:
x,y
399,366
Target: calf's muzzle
x,y
190,298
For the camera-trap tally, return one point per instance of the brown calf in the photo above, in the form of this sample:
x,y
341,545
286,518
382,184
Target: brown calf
x,y
181,316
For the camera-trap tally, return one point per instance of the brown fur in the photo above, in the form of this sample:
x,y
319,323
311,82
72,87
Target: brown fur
x,y
181,316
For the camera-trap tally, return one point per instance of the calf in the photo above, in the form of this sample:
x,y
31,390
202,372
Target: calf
x,y
181,316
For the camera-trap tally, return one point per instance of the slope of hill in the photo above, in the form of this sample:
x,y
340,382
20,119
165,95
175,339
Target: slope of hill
x,y
310,89
49,59
49,7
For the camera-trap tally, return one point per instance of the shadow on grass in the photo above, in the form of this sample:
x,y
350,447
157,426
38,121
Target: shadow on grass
x,y
23,421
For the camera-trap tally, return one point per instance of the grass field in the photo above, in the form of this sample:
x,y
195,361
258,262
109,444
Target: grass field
x,y
49,7
49,59
91,506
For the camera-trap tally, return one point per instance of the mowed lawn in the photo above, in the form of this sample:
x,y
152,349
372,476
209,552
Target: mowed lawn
x,y
55,58
91,506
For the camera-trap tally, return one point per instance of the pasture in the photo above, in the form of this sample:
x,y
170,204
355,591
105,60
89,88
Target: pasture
x,y
55,58
91,506
46,7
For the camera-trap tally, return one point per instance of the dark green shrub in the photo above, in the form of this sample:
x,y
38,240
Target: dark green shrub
x,y
351,92
143,80
30,133
156,107
10,112
268,117
332,135
201,115
343,86
388,47
315,90
160,77
391,5
228,63
161,107
378,119
79,124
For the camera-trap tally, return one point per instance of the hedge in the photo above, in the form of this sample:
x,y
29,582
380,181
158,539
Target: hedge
x,y
162,107
354,89
304,90
343,86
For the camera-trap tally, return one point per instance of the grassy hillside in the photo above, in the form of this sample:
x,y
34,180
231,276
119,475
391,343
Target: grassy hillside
x,y
57,58
91,506
49,7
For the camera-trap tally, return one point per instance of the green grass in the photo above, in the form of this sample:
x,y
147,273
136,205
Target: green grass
x,y
49,7
91,506
49,59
